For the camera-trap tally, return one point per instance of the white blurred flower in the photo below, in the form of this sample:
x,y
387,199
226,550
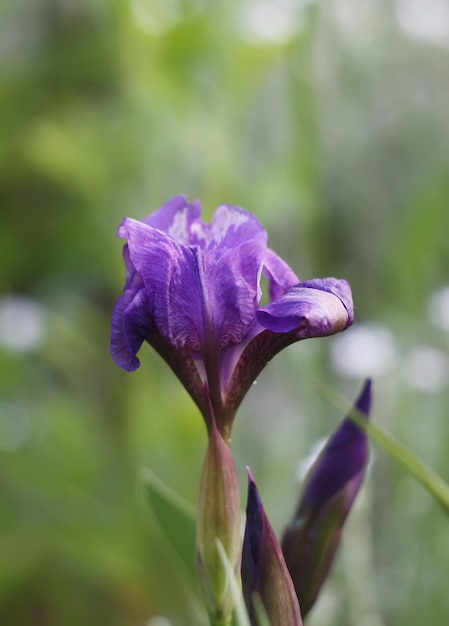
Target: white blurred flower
x,y
438,308
427,20
363,351
426,368
23,323
269,21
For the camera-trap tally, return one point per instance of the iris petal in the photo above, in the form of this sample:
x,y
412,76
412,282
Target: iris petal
x,y
314,309
280,276
178,219
131,324
198,294
232,226
170,274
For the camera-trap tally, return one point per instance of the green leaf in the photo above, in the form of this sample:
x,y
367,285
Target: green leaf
x,y
241,614
425,475
262,617
176,518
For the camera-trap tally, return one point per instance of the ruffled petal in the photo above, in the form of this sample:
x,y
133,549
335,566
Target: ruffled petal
x,y
312,309
133,278
178,218
232,226
201,294
337,286
231,291
131,324
170,274
280,276
235,246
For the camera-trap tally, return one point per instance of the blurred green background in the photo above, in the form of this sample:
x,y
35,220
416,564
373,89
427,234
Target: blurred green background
x,y
329,121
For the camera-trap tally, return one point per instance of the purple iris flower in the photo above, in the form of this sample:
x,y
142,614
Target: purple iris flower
x,y
193,292
312,538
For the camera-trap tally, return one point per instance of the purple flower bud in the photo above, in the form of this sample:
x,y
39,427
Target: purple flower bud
x,y
311,540
193,292
264,572
219,517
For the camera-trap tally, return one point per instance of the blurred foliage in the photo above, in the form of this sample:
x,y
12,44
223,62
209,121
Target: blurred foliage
x,y
328,120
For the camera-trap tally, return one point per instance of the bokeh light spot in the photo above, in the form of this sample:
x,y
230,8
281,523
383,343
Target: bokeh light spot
x,y
426,368
363,351
22,324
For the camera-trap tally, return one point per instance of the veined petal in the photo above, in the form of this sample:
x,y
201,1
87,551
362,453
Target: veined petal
x,y
232,286
280,276
198,293
338,287
178,218
131,324
133,278
310,309
232,226
170,274
313,309
181,220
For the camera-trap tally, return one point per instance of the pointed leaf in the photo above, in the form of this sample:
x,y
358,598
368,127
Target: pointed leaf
x,y
241,615
176,518
264,571
429,479
311,540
